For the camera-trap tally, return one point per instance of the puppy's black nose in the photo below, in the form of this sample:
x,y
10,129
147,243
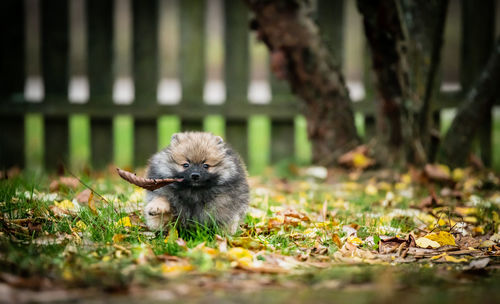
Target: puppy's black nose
x,y
195,176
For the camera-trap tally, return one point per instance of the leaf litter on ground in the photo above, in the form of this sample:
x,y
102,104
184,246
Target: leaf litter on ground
x,y
299,224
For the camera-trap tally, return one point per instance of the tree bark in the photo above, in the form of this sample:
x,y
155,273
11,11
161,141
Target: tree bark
x,y
299,55
405,38
480,99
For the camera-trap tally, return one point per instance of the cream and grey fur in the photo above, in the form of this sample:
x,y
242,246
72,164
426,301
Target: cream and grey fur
x,y
214,189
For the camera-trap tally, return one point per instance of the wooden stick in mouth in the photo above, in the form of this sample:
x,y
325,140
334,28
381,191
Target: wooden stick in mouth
x,y
146,183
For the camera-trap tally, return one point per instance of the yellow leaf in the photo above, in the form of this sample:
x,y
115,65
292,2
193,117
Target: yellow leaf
x,y
458,174
401,186
124,221
371,189
438,256
241,255
175,268
486,244
91,203
384,186
354,240
81,225
425,243
479,230
470,219
453,259
444,168
65,205
67,274
210,251
442,238
173,235
118,237
406,178
336,240
359,160
465,210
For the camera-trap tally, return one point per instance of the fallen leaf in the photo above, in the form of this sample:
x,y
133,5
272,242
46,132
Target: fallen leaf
x,y
67,205
117,238
176,268
371,189
91,203
80,225
357,158
240,255
437,172
423,242
495,237
83,197
124,221
486,244
354,240
336,240
442,237
68,181
453,259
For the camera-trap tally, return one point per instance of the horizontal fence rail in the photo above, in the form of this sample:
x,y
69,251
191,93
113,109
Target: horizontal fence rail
x,y
236,115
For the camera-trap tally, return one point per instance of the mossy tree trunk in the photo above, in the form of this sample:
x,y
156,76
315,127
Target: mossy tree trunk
x,y
470,114
299,55
405,39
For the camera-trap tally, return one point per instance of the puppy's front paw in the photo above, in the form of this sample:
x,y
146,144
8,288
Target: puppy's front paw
x,y
157,213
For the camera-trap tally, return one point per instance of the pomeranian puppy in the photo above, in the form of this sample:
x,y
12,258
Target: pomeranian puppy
x,y
214,189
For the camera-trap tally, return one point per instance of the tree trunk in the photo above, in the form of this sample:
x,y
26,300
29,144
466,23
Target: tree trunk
x,y
480,98
405,39
299,55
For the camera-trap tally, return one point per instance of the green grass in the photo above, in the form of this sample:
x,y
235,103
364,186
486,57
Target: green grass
x,y
95,247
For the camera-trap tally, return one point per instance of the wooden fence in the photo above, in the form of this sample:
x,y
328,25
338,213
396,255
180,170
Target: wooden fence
x,y
477,38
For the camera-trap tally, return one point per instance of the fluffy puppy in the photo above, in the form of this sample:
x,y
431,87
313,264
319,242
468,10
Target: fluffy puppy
x,y
214,189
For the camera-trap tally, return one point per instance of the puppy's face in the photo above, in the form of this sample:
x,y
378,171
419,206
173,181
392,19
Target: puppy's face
x,y
198,158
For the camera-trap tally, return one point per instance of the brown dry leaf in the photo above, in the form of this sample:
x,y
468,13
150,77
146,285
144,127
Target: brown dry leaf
x,y
357,158
91,203
117,238
292,213
467,242
429,202
57,211
68,181
390,245
437,172
83,197
336,240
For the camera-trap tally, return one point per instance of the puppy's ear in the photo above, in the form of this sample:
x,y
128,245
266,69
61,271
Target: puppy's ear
x,y
219,139
174,139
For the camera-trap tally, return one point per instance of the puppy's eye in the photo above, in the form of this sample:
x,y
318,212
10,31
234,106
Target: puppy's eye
x,y
185,165
205,166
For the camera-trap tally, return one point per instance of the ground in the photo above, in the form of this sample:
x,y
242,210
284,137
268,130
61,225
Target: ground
x,y
311,234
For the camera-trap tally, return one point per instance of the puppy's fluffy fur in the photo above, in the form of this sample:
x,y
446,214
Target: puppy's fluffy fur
x,y
214,189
